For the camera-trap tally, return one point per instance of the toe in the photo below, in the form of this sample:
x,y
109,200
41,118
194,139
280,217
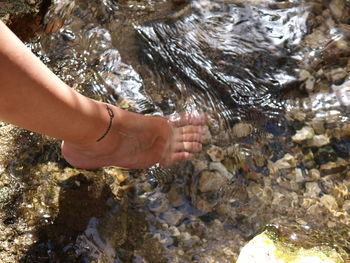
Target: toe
x,y
176,157
190,137
188,147
183,119
192,129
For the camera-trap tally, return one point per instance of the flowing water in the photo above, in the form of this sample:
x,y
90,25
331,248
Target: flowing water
x,y
260,70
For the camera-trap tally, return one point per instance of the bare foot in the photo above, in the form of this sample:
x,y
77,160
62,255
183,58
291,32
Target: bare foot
x,y
137,141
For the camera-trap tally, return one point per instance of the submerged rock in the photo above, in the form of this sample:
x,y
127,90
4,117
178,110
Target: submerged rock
x,y
216,153
334,167
318,141
241,130
305,133
265,249
288,161
9,8
210,181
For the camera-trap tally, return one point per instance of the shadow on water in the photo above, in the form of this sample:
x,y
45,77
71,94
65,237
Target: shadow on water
x,y
80,200
93,225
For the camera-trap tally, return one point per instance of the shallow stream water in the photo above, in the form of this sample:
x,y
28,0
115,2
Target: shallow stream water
x,y
260,70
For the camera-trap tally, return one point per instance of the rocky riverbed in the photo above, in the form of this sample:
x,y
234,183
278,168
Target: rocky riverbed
x,y
291,172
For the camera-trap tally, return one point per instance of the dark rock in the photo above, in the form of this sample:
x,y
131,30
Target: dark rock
x,y
325,155
334,167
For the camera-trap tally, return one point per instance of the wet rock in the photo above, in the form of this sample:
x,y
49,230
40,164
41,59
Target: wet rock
x,y
266,249
158,203
309,83
325,154
312,190
229,164
318,126
346,206
329,202
172,217
313,175
220,167
304,134
176,195
5,195
296,115
337,76
188,240
10,8
288,161
226,210
299,177
345,131
215,153
340,11
210,181
241,130
343,93
334,167
199,165
203,205
318,141
164,238
309,159
342,148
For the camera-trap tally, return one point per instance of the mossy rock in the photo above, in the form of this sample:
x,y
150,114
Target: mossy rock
x,y
15,8
265,248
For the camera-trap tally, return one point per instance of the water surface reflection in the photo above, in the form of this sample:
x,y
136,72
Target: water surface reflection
x,y
260,71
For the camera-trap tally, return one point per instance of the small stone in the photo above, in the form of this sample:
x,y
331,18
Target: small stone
x,y
318,126
304,75
345,131
337,76
188,240
314,175
176,195
31,2
324,155
304,134
301,222
299,178
343,93
309,159
216,154
339,10
296,115
318,141
172,217
346,206
158,203
329,202
312,190
229,164
220,167
241,130
310,84
203,206
199,165
334,167
288,161
210,181
174,231
164,238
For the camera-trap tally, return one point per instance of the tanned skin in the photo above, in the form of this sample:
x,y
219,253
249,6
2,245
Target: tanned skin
x,y
34,98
